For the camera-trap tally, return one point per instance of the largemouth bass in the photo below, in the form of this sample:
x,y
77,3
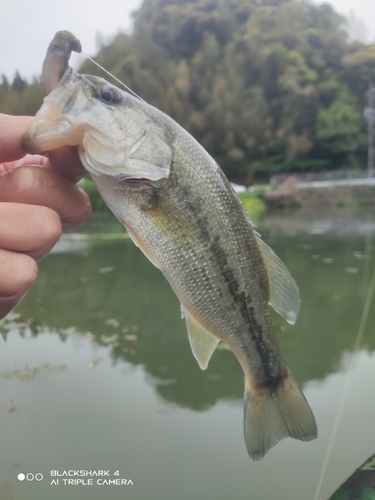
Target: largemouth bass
x,y
181,211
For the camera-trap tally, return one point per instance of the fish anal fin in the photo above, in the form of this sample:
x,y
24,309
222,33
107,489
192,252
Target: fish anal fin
x,y
284,294
201,341
272,414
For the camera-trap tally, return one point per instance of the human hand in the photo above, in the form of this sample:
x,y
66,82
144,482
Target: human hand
x,y
38,200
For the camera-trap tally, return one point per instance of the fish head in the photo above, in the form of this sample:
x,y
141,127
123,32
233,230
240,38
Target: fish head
x,y
115,133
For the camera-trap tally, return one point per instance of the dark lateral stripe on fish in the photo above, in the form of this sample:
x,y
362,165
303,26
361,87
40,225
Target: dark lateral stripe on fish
x,y
192,206
270,373
272,377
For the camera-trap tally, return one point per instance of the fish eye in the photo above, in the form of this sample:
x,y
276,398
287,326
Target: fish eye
x,y
110,96
106,95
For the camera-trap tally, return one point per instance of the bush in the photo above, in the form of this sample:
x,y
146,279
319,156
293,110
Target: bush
x,y
252,202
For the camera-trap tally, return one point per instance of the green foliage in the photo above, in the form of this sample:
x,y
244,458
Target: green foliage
x,y
279,165
253,203
265,86
339,127
18,83
254,207
359,69
20,98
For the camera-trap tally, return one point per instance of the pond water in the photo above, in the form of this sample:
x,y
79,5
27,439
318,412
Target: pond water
x,y
96,373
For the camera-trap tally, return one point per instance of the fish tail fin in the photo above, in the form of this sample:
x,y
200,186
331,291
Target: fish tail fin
x,y
272,414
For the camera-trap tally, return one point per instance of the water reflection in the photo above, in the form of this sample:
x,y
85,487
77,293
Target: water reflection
x,y
132,309
107,288
100,296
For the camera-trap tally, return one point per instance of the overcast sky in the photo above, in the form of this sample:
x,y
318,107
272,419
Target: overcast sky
x,y
27,27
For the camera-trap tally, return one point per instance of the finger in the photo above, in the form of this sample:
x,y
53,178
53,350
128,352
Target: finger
x,y
29,229
38,186
11,130
27,160
65,162
17,273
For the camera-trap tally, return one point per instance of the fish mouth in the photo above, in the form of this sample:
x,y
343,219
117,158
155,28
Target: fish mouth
x,y
53,126
48,135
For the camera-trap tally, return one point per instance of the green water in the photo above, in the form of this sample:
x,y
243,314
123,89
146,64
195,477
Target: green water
x,y
97,373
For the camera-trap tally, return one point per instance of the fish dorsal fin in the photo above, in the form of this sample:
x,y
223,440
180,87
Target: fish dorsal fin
x,y
201,341
284,294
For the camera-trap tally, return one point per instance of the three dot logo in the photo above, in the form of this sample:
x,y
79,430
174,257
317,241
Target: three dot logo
x,y
30,477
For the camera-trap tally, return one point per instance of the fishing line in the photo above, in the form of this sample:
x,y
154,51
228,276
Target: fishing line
x,y
344,394
127,88
110,74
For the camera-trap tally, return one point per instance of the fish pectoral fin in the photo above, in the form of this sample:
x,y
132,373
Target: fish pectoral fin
x,y
201,341
284,294
172,223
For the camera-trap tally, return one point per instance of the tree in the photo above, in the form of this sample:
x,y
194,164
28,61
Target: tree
x,y
18,83
359,69
339,128
264,85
